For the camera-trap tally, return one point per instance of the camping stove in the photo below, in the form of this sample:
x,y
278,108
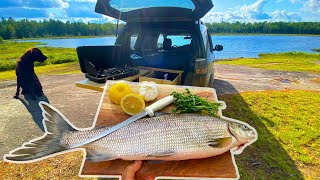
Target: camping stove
x,y
112,74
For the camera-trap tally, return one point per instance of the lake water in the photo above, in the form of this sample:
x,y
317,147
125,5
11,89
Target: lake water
x,y
234,46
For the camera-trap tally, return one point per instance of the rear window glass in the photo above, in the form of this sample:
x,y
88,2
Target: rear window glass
x,y
128,5
177,40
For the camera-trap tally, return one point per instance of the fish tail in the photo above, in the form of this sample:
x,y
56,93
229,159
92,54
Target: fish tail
x,y
55,125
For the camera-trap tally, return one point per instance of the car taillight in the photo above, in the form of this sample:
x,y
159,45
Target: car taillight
x,y
201,66
199,77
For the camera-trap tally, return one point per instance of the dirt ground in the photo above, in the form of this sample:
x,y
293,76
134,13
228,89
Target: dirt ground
x,y
230,79
20,120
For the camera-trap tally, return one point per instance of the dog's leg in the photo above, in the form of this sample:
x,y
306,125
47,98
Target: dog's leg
x,y
32,89
16,96
37,87
33,97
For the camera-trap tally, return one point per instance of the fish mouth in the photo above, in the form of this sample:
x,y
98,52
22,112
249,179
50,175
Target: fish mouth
x,y
230,131
240,147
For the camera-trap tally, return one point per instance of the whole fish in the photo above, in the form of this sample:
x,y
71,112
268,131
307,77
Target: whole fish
x,y
165,137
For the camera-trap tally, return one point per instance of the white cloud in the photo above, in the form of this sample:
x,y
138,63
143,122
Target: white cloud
x,y
312,5
109,19
254,11
308,5
62,3
221,16
279,15
251,13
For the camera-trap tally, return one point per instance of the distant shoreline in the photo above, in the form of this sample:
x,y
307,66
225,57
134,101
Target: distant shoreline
x,y
213,34
261,34
62,37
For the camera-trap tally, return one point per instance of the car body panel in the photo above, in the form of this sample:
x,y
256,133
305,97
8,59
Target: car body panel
x,y
154,14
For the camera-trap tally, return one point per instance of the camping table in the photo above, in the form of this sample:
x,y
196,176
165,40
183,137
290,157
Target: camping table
x,y
109,114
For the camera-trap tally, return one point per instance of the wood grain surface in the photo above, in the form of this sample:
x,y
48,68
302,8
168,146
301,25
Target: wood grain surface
x,y
110,114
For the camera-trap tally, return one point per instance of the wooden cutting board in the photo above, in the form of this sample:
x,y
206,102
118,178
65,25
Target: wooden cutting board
x,y
109,114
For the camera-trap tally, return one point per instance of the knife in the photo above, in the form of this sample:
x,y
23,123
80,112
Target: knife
x,y
147,111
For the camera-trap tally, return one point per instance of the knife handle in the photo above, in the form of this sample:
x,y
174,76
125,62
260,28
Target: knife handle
x,y
159,105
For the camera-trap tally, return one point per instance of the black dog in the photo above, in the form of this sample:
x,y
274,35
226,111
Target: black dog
x,y
26,77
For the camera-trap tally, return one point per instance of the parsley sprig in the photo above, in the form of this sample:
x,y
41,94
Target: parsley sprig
x,y
189,103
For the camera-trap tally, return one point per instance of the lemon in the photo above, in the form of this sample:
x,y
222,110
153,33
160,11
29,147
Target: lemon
x,y
132,104
118,91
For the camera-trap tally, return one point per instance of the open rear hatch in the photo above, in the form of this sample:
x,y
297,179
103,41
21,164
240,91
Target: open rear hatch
x,y
154,10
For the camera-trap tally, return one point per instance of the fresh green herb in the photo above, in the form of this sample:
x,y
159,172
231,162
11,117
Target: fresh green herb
x,y
189,103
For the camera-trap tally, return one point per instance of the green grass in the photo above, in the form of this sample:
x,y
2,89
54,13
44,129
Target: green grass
x,y
287,148
290,61
289,138
64,166
60,60
66,68
10,52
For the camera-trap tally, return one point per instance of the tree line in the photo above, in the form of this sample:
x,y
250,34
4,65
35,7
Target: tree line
x,y
12,29
266,27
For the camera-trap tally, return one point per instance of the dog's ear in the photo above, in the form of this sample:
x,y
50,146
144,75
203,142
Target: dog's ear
x,y
35,51
29,51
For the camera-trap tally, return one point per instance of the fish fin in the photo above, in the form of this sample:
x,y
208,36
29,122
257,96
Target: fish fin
x,y
220,142
95,156
161,154
55,124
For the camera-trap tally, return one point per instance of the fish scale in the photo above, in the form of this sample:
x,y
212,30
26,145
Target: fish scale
x,y
154,137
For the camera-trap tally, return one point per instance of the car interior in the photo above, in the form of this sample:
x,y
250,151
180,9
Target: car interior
x,y
166,50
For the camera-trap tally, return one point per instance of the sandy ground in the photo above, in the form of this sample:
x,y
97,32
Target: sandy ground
x,y
20,120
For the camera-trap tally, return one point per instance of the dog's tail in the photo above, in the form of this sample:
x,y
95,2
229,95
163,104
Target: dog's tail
x,y
55,124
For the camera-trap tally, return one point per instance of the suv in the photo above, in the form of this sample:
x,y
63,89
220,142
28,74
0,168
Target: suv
x,y
163,34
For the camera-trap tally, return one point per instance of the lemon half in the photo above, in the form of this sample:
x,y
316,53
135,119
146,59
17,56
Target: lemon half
x,y
132,104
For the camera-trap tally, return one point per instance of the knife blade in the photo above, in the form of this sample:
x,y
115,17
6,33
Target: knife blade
x,y
147,111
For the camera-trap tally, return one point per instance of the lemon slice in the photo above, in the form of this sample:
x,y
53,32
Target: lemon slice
x,y
132,104
118,91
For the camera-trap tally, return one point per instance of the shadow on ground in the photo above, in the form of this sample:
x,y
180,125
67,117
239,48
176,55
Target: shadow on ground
x,y
34,108
266,158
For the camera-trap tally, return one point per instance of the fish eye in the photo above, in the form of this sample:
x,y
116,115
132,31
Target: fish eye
x,y
245,127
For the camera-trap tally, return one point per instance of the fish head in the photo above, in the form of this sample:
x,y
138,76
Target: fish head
x,y
244,134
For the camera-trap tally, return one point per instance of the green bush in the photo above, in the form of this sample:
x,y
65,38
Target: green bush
x,y
12,51
41,64
61,61
1,40
7,65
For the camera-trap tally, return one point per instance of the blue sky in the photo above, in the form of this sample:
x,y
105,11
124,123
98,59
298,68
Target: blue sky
x,y
224,10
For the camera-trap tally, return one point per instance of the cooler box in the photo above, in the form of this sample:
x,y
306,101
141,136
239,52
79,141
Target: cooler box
x,y
162,76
